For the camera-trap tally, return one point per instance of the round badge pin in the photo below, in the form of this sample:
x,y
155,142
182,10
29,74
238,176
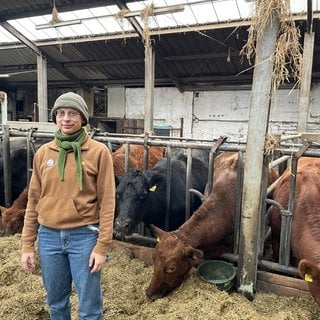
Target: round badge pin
x,y
50,162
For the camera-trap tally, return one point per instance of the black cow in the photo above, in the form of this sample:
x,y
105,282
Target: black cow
x,y
18,165
141,196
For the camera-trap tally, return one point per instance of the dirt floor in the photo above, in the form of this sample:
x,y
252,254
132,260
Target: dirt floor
x,y
125,279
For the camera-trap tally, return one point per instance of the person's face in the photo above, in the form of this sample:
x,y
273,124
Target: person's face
x,y
68,120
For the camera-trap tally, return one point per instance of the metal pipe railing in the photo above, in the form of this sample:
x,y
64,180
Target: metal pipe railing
x,y
292,151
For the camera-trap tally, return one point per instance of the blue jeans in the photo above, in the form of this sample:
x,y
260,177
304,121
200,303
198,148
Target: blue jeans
x,y
64,257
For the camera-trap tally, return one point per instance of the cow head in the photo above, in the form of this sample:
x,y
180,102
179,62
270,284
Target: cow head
x,y
310,272
131,196
172,260
12,220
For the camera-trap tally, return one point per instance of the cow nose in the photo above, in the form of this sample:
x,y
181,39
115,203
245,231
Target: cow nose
x,y
122,226
117,235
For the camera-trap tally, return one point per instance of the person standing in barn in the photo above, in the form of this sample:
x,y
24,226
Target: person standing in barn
x,y
70,210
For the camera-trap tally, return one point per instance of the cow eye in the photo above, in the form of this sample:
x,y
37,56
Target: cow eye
x,y
143,195
172,268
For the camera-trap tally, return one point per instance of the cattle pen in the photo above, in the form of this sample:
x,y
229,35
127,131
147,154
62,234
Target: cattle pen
x,y
281,151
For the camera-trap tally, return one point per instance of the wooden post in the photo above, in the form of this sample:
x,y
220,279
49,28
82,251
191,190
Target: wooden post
x,y
253,171
4,107
149,86
304,97
42,89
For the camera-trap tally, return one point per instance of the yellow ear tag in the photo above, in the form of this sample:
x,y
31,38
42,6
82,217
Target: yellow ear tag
x,y
153,188
308,277
158,239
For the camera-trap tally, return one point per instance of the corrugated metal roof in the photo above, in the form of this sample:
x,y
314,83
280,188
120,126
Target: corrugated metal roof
x,y
196,47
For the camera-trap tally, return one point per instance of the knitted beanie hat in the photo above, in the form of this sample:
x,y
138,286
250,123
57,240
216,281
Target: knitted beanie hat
x,y
71,100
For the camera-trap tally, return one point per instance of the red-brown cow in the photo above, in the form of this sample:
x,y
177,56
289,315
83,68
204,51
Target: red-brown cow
x,y
305,230
209,230
136,157
13,217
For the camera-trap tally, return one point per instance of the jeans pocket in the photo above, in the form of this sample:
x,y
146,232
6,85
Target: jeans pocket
x,y
93,227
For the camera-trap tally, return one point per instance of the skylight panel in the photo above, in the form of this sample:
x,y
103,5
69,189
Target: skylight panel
x,y
298,6
7,36
100,11
187,16
120,25
174,2
165,21
246,8
169,20
204,13
94,26
81,29
78,14
159,3
65,16
25,27
136,6
226,10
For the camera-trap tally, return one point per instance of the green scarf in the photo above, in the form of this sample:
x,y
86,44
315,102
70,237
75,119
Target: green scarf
x,y
67,142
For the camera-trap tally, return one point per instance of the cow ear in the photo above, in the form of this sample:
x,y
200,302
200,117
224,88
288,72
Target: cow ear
x,y
308,270
195,256
157,231
2,209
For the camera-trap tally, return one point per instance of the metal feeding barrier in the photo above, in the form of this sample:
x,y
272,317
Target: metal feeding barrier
x,y
283,153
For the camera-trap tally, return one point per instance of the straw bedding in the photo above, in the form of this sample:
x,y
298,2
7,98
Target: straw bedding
x,y
124,281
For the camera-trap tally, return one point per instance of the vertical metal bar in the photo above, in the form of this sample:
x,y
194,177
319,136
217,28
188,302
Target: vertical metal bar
x,y
212,155
188,183
7,166
211,170
238,203
286,219
145,151
127,155
30,151
168,188
263,207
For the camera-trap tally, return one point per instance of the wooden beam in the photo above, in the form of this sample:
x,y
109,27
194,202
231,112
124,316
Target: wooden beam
x,y
280,284
149,88
253,171
42,88
157,10
304,94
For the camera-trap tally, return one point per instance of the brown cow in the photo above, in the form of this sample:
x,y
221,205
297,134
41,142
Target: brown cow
x,y
136,157
209,230
13,217
305,230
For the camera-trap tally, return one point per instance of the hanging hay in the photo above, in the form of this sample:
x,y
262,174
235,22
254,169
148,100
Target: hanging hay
x,y
288,52
2,96
124,281
145,14
121,14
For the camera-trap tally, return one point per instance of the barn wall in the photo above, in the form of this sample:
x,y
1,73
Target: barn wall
x,y
209,114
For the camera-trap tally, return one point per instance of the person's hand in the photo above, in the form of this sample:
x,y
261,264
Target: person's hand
x,y
96,262
28,261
